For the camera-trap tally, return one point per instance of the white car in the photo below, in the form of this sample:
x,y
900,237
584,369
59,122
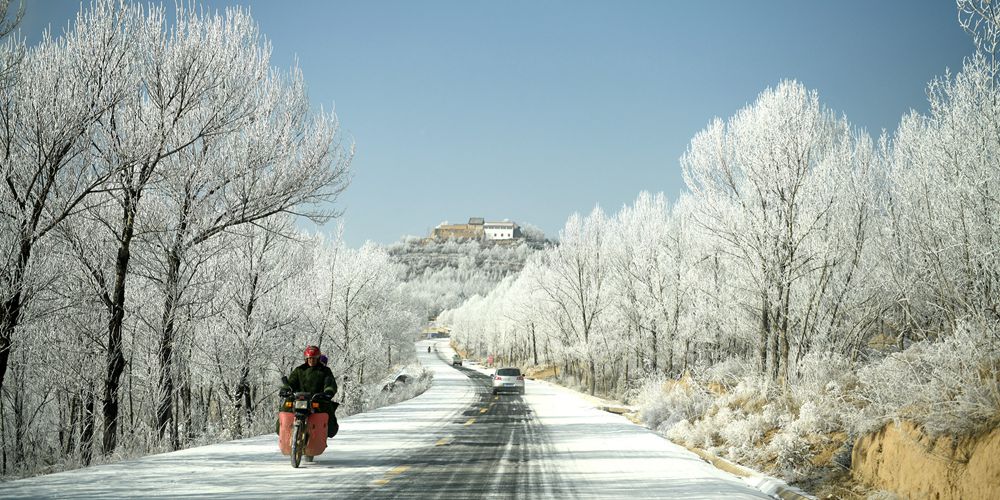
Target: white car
x,y
508,380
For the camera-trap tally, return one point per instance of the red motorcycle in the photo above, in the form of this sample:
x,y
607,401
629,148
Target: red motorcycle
x,y
302,429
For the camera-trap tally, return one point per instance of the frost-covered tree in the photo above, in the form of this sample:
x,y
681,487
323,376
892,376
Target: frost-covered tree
x,y
757,179
283,159
358,316
49,107
187,82
945,208
576,282
649,264
261,264
981,20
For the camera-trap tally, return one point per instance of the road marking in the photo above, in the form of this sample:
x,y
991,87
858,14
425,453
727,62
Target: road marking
x,y
470,421
395,471
502,464
484,410
443,441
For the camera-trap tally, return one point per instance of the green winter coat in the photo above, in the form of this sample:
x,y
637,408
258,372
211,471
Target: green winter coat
x,y
318,378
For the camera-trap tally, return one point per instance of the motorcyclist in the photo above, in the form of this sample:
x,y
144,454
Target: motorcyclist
x,y
315,377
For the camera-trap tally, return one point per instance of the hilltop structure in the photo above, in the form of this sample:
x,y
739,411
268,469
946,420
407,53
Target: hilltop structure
x,y
478,229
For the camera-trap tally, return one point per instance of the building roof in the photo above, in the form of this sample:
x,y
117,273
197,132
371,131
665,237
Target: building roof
x,y
477,221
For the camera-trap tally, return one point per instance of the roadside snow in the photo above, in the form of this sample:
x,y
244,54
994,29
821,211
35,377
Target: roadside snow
x,y
606,455
255,468
592,453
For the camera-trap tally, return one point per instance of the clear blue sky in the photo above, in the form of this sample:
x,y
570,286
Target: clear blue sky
x,y
533,110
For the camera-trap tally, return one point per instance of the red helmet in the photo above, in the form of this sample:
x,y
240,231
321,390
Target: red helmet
x,y
312,352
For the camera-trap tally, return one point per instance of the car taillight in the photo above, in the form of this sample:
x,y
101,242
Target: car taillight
x,y
520,377
498,378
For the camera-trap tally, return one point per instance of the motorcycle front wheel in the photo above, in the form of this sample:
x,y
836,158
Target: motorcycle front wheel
x,y
298,444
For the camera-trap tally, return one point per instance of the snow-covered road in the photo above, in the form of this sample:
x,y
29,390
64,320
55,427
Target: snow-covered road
x,y
454,441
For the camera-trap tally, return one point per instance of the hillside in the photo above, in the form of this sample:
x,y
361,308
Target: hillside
x,y
442,275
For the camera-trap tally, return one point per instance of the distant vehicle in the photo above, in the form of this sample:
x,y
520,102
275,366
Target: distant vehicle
x,y
456,360
508,380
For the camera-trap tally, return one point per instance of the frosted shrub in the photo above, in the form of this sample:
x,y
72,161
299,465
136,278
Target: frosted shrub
x,y
699,434
823,372
792,454
776,415
664,403
682,432
744,433
950,386
815,419
728,372
749,394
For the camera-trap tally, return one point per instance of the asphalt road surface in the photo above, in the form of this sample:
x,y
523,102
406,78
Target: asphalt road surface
x,y
455,441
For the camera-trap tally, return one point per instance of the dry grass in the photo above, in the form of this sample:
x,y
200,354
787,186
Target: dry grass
x,y
542,372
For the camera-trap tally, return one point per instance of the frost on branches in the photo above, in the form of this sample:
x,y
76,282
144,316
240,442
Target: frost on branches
x,y
812,285
154,283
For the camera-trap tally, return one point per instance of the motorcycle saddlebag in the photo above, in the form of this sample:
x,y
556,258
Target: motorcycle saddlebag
x,y
316,428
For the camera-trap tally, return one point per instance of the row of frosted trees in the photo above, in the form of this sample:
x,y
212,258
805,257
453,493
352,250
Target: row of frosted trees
x,y
153,282
798,235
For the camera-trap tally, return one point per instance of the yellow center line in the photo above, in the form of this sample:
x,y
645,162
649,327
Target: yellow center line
x,y
443,441
395,471
470,421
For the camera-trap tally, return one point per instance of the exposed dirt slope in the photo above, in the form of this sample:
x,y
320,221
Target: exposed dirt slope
x,y
902,459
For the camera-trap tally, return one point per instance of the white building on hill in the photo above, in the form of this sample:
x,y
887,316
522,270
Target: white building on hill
x,y
501,230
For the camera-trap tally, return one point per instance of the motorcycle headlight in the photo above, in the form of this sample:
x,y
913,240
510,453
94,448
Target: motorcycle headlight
x,y
301,405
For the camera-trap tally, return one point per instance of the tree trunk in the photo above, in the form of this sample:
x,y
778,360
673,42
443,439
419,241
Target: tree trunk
x,y
87,434
534,346
593,375
687,351
655,353
188,413
115,358
10,309
74,423
782,337
164,414
19,428
3,437
765,329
